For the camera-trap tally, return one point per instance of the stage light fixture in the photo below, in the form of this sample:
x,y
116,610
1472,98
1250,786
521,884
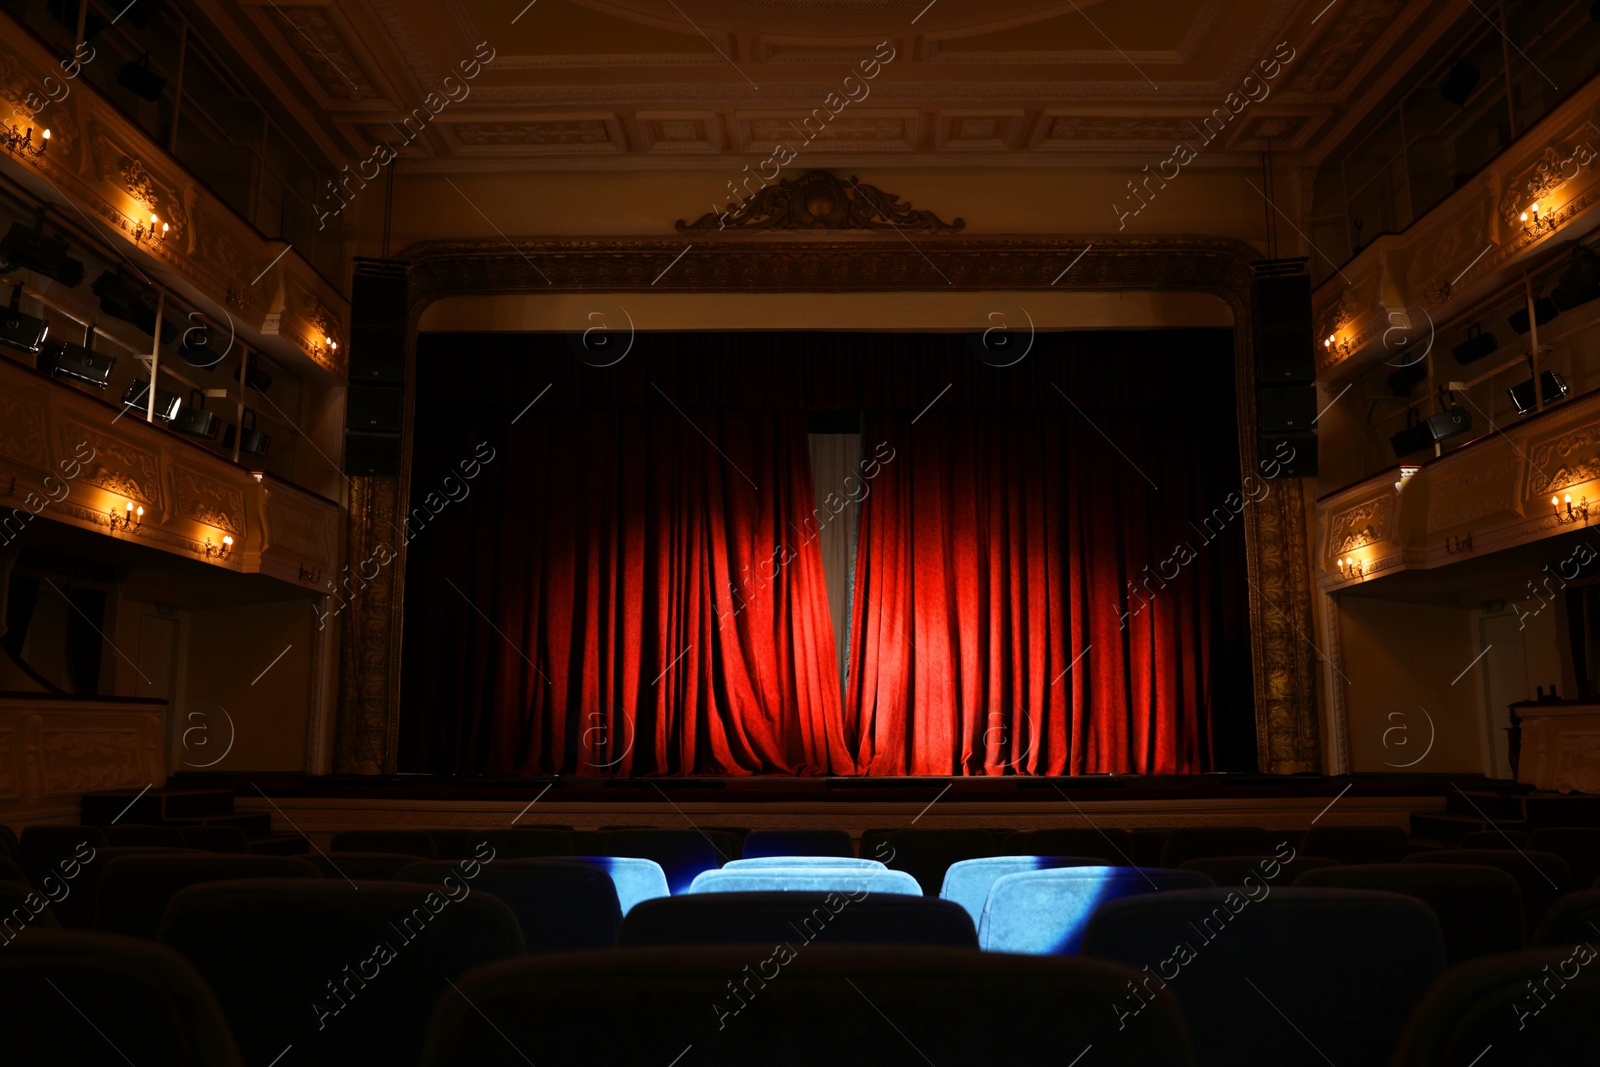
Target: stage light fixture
x,y
1551,384
1401,381
1459,81
121,299
138,398
195,421
1544,309
1451,422
77,363
28,248
1478,344
251,440
136,76
21,331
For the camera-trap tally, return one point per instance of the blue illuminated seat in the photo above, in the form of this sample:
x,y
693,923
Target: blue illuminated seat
x,y
1112,845
968,882
798,918
635,878
1044,913
761,844
805,880
927,854
1264,981
803,861
681,853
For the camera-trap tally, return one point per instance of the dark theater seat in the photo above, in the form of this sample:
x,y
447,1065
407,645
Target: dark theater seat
x,y
1479,908
396,842
133,890
798,918
763,844
561,905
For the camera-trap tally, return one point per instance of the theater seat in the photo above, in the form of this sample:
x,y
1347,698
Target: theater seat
x,y
8,841
804,861
45,848
1204,842
1574,917
1479,908
458,844
395,842
634,879
927,854
804,880
682,854
10,872
761,844
1578,845
1357,844
345,975
520,843
1541,876
840,1005
1494,839
1112,845
23,908
1281,979
96,1000
216,838
133,835
74,885
1045,912
798,918
133,890
968,882
561,906
1233,870
1536,1007
359,866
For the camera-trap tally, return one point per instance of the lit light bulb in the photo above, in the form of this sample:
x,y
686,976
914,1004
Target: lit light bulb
x,y
227,539
140,512
130,506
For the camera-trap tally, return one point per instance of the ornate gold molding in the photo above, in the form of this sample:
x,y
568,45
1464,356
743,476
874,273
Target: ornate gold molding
x,y
1280,602
819,200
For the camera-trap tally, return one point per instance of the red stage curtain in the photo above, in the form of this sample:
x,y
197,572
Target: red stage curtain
x,y
995,628
638,604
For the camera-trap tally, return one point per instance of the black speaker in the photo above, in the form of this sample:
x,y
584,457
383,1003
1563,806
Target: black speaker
x,y
375,408
378,295
1295,455
377,354
1286,408
372,455
1280,303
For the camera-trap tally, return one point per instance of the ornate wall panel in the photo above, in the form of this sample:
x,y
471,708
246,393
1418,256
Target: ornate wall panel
x,y
54,751
1285,664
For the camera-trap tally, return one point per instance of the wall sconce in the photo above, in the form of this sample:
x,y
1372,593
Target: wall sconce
x,y
1532,220
223,552
131,519
22,143
1351,568
1458,546
1568,512
147,231
1334,343
327,344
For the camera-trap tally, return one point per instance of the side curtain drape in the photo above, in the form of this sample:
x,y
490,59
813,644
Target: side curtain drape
x,y
629,598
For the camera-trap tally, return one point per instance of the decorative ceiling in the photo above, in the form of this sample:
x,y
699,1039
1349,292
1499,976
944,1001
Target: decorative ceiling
x,y
464,84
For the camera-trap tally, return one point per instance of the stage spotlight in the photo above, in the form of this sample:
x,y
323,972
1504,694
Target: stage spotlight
x,y
121,299
251,440
138,398
256,378
1544,310
195,420
1417,436
77,363
1401,381
1551,384
28,248
1477,345
21,331
1459,81
1581,282
136,76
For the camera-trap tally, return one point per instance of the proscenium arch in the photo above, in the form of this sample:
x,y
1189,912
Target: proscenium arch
x,y
1058,271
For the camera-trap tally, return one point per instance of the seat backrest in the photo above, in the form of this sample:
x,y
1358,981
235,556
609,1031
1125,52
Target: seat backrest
x,y
1234,870
1572,918
359,866
10,872
927,854
1578,845
1541,876
804,861
350,972
1479,908
8,841
1201,842
968,882
144,1003
133,890
634,879
396,842
1258,979
73,885
1533,1007
1045,912
561,906
856,880
798,918
23,908
132,834
1494,839
1112,845
683,854
842,1005
1357,844
762,844
52,850
522,843
216,838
